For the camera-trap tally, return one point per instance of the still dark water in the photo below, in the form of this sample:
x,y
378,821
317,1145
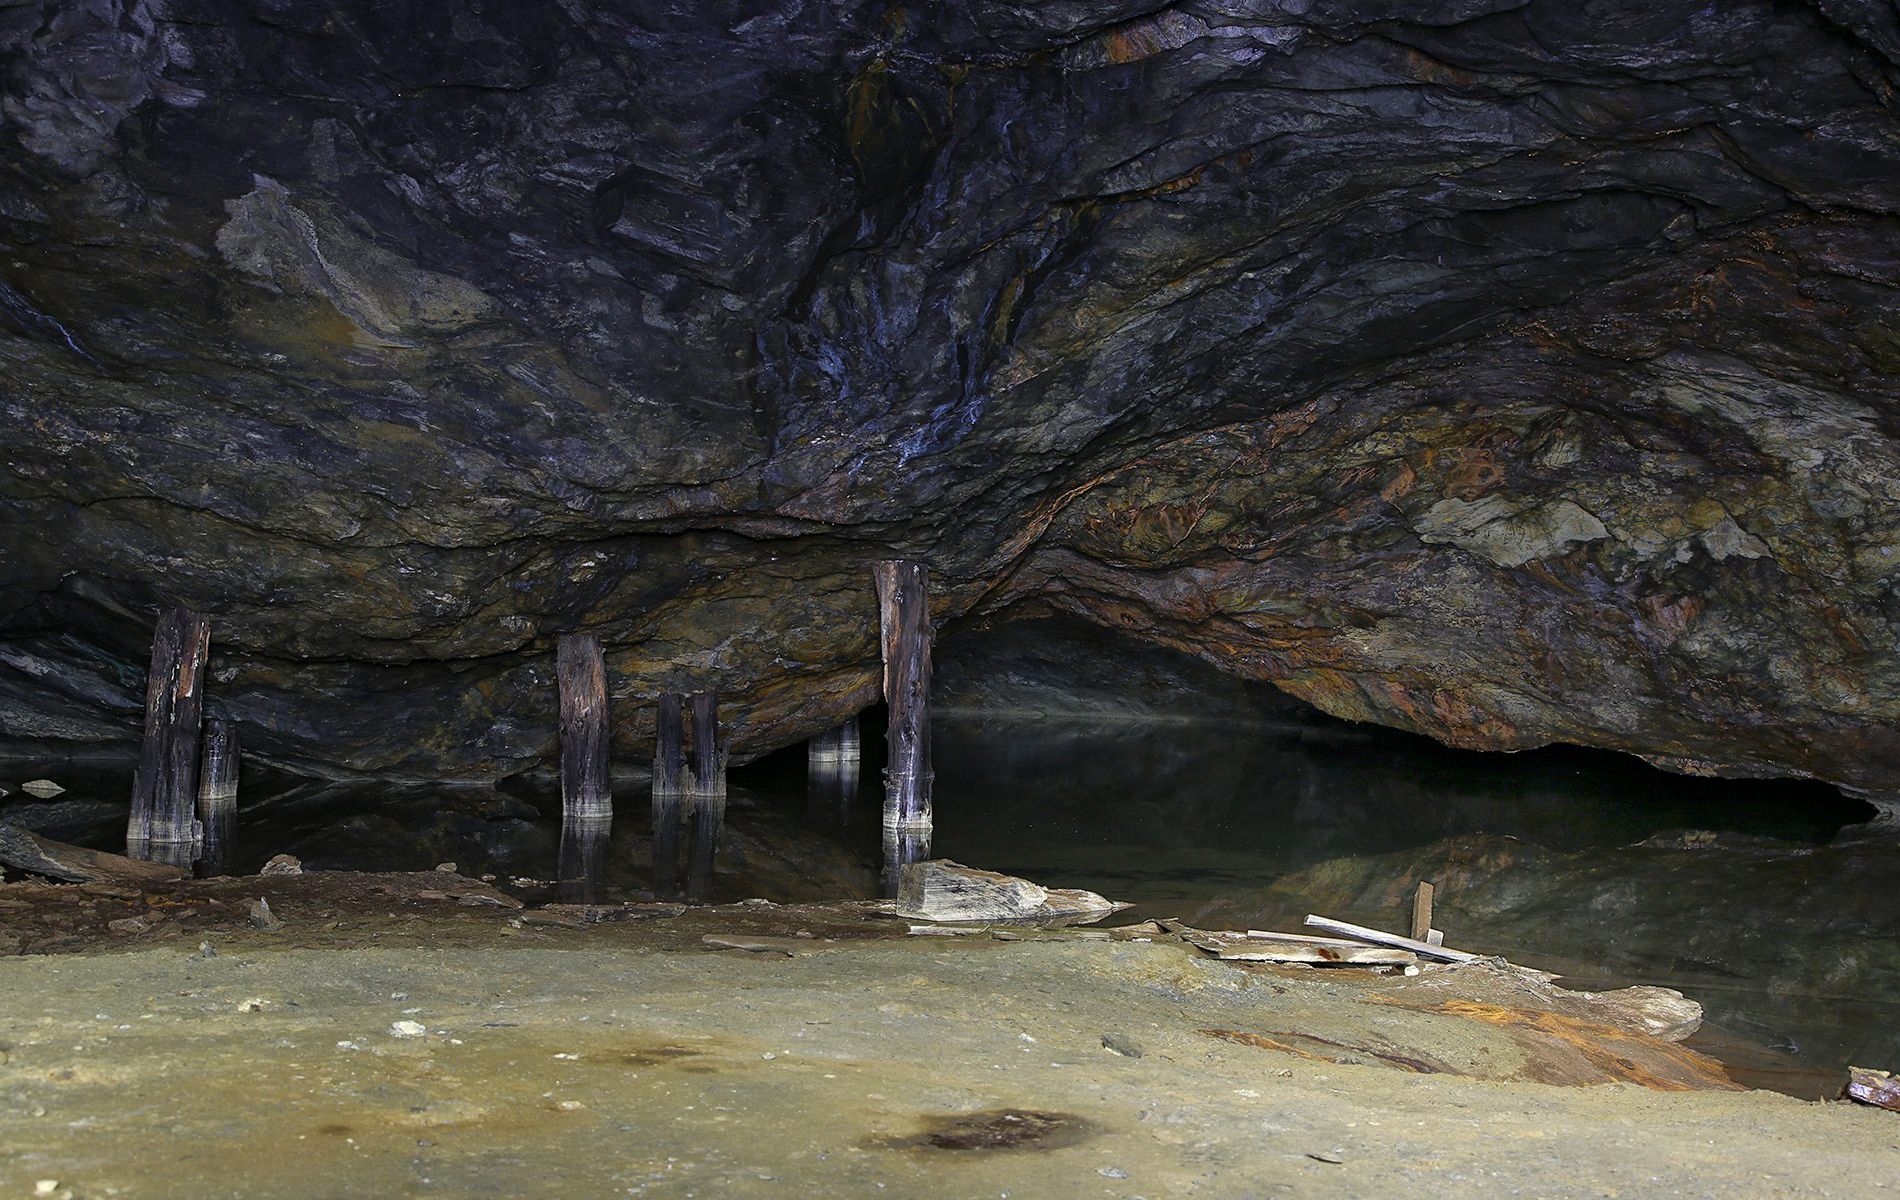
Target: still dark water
x,y
1772,903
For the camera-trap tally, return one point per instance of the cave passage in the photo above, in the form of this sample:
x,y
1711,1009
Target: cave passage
x,y
1587,863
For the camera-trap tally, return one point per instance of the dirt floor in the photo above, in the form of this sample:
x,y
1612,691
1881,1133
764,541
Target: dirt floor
x,y
417,1035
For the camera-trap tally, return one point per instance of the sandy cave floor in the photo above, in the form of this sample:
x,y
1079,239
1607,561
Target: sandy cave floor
x,y
631,1058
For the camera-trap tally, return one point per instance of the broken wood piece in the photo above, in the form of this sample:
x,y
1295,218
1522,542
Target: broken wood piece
x,y
1247,948
1422,913
941,890
1269,935
28,851
946,930
1380,938
1878,1088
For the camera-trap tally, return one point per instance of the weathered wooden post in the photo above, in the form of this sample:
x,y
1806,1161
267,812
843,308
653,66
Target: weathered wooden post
x,y
217,795
581,674
904,621
709,796
669,766
163,825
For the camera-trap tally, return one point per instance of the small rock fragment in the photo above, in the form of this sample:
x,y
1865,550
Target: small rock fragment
x,y
1115,1043
447,868
262,916
253,1004
207,950
126,926
44,789
1881,1089
407,1029
283,864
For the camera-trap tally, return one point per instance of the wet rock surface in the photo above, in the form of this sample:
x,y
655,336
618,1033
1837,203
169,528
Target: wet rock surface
x,y
1521,375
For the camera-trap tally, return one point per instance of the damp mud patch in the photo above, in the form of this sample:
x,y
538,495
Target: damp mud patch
x,y
997,1129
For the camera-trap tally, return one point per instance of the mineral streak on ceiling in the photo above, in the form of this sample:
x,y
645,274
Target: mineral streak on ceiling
x,y
1507,370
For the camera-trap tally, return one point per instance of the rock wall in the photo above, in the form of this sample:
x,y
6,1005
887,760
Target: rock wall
x,y
1506,370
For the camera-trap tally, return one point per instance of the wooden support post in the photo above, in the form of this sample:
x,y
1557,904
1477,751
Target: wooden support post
x,y
669,766
1422,912
904,621
581,674
217,796
163,825
709,796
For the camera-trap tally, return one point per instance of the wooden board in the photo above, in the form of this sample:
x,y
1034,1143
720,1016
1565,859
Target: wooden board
x,y
1252,949
1316,940
1422,913
1379,937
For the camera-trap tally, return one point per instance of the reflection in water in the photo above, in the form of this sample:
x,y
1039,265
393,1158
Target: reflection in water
x,y
709,823
831,792
831,775
903,845
1782,926
667,804
581,871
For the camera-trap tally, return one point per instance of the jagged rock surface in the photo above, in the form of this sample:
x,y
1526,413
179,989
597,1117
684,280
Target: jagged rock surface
x,y
1523,371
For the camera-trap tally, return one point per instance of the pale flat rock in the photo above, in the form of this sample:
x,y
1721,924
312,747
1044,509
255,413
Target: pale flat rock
x,y
941,890
1658,1011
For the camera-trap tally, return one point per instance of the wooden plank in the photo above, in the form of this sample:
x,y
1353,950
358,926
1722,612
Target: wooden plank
x,y
1422,912
669,767
163,825
28,851
1270,935
1236,948
218,794
1381,938
581,676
